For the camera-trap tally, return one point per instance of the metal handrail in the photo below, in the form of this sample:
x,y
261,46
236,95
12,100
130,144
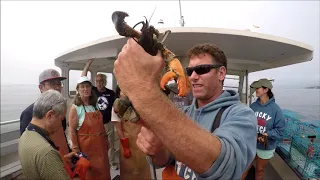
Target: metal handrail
x,y
231,86
9,122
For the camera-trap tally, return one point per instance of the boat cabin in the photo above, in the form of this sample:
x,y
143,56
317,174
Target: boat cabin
x,y
246,52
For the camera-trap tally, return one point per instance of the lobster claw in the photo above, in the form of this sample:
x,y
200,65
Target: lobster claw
x,y
175,72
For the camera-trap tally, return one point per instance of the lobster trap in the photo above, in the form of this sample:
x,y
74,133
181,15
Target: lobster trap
x,y
300,146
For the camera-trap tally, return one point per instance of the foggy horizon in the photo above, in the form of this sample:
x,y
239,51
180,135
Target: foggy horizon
x,y
33,34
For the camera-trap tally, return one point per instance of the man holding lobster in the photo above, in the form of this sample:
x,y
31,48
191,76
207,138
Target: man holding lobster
x,y
191,138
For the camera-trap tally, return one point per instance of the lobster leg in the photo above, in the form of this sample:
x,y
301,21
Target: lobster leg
x,y
141,22
144,24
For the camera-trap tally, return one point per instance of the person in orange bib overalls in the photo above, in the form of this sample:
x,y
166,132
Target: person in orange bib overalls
x,y
133,163
87,131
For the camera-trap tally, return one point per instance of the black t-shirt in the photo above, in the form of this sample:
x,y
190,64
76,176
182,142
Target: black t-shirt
x,y
26,117
105,102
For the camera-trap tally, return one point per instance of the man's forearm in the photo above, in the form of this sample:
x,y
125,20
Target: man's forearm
x,y
176,131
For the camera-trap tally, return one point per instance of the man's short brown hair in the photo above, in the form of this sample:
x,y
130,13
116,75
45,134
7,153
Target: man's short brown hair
x,y
213,50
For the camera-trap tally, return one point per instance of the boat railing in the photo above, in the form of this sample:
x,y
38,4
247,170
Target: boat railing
x,y
9,122
10,134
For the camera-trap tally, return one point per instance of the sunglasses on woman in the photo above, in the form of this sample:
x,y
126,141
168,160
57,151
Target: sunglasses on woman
x,y
202,69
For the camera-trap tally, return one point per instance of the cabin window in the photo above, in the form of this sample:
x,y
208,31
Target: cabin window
x,y
109,79
231,82
73,78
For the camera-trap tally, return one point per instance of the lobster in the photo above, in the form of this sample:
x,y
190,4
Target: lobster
x,y
148,39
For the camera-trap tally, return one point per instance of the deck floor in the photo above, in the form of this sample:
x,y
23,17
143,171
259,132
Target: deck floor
x,y
271,174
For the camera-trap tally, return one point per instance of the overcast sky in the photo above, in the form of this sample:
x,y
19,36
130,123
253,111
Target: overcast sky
x,y
34,33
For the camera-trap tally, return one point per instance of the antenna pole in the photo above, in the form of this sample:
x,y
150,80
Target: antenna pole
x,y
181,17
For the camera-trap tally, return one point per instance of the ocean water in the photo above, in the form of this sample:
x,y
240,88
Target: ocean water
x,y
15,98
306,102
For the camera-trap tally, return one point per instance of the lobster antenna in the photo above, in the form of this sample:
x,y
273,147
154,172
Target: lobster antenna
x,y
152,14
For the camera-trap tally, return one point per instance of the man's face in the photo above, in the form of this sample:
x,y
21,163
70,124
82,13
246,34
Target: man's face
x,y
206,85
51,84
100,82
54,120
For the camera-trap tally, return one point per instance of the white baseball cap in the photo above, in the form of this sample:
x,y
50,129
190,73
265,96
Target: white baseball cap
x,y
84,79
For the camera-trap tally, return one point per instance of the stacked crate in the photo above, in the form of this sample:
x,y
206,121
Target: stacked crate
x,y
300,146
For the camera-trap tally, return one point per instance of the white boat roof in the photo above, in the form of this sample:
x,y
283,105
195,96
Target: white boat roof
x,y
245,50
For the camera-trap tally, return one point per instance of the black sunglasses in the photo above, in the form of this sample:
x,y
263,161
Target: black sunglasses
x,y
202,69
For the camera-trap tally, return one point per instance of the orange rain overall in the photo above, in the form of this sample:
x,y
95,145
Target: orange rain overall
x,y
92,142
60,141
135,167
